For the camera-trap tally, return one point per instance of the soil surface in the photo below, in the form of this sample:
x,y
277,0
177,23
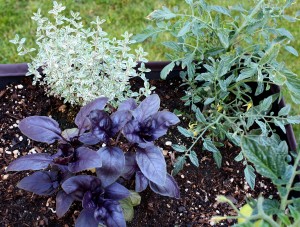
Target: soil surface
x,y
198,186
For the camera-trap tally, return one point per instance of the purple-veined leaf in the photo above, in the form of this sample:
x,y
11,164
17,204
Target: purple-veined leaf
x,y
78,185
101,124
86,219
112,214
113,162
128,104
161,121
82,120
116,191
147,107
119,119
87,201
85,159
89,138
30,162
132,132
141,182
40,183
130,165
170,188
151,163
63,203
41,129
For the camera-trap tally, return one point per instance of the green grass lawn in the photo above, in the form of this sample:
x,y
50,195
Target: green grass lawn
x,y
121,16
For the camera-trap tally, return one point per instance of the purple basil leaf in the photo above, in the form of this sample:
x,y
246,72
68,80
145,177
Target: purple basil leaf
x,y
130,165
40,183
170,188
113,162
141,182
111,213
89,138
87,201
30,162
101,124
129,104
151,163
63,203
86,219
147,107
161,121
132,132
40,128
85,159
116,191
70,133
119,119
82,120
78,185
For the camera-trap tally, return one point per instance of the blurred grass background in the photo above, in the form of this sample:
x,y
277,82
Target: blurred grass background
x,y
120,16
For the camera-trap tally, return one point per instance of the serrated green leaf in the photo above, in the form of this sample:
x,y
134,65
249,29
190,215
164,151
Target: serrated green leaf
x,y
209,101
250,176
208,145
179,148
179,164
193,158
269,160
166,70
296,187
218,158
239,157
270,54
294,212
293,119
246,73
172,45
285,110
224,38
284,218
163,14
292,50
221,9
280,125
278,78
265,105
127,209
284,32
262,126
147,33
185,132
200,117
185,29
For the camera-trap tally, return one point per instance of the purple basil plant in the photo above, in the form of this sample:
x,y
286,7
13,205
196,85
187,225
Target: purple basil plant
x,y
78,150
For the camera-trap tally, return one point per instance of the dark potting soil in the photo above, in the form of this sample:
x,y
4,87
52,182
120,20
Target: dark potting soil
x,y
198,186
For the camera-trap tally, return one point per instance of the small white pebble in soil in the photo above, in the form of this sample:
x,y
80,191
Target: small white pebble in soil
x,y
188,182
227,163
5,177
103,145
21,138
168,143
15,125
8,152
17,121
182,176
237,171
246,187
231,180
32,151
20,86
186,189
16,153
197,193
11,127
168,205
218,212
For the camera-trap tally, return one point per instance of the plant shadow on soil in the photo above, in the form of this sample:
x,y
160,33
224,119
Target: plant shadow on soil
x,y
198,186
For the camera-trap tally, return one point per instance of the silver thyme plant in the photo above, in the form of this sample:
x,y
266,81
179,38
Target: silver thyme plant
x,y
81,64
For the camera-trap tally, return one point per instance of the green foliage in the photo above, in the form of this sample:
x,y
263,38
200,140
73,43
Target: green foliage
x,y
273,164
81,64
230,57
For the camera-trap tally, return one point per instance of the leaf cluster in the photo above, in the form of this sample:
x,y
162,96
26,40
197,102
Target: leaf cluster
x,y
229,61
81,64
97,144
